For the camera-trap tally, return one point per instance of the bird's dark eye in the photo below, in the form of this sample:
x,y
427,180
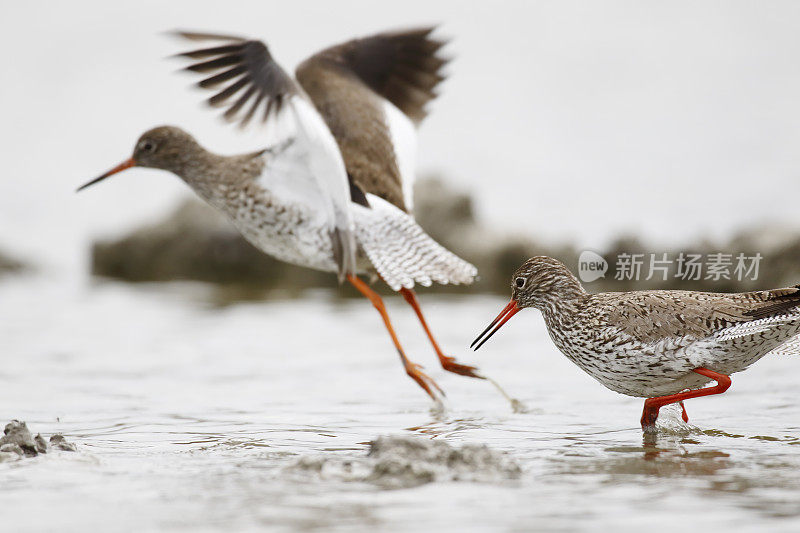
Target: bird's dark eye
x,y
520,282
147,147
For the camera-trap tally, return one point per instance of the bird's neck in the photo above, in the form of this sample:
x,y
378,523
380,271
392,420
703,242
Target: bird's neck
x,y
565,304
215,177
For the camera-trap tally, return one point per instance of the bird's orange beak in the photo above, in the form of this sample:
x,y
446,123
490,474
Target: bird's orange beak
x,y
128,163
505,315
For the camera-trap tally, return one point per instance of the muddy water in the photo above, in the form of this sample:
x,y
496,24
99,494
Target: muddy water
x,y
189,415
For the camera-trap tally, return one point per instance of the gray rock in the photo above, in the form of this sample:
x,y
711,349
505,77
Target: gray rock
x,y
16,432
404,461
12,447
17,440
41,444
330,468
58,442
10,265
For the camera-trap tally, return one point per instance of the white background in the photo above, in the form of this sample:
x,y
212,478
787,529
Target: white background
x,y
568,120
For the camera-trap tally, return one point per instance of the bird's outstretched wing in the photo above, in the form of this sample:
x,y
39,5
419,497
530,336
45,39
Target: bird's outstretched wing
x,y
250,83
371,92
401,66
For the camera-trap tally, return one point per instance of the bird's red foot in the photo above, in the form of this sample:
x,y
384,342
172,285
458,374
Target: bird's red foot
x,y
652,405
423,380
450,364
649,414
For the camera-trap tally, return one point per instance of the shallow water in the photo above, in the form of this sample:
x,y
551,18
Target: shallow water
x,y
191,415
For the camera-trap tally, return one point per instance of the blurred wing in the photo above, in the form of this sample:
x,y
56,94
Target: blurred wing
x,y
248,77
401,66
371,93
244,69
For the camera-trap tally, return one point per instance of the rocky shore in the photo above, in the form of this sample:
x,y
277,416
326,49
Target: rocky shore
x,y
401,461
10,265
18,442
196,243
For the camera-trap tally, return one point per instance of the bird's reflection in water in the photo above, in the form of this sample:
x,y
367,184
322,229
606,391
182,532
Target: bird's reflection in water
x,y
660,455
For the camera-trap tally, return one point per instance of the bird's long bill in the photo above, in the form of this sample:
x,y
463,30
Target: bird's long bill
x,y
128,163
505,315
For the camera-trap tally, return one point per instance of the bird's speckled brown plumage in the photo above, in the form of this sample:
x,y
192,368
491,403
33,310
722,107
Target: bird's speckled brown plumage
x,y
647,343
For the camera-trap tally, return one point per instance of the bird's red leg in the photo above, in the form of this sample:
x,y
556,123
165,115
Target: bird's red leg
x,y
448,363
412,369
684,414
652,405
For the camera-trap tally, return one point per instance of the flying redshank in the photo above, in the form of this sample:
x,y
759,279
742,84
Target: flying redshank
x,y
659,345
336,194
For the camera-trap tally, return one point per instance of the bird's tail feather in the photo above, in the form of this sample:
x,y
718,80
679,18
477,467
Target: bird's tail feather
x,y
790,347
402,253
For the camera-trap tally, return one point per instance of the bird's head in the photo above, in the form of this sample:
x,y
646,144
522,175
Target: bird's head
x,y
541,282
165,147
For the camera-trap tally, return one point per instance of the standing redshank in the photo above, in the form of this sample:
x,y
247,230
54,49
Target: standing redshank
x,y
336,195
653,344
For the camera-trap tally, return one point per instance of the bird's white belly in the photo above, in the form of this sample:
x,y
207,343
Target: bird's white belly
x,y
299,244
290,233
631,369
286,232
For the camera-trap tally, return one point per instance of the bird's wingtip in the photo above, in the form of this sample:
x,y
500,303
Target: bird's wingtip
x,y
192,35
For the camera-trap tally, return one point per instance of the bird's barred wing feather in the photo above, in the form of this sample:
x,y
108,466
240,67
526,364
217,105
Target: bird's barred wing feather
x,y
790,347
251,83
402,253
653,315
244,74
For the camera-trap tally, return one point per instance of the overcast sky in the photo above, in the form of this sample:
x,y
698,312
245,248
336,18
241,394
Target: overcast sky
x,y
568,120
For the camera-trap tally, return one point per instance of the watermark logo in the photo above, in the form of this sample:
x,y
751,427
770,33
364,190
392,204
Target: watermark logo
x,y
591,266
663,266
